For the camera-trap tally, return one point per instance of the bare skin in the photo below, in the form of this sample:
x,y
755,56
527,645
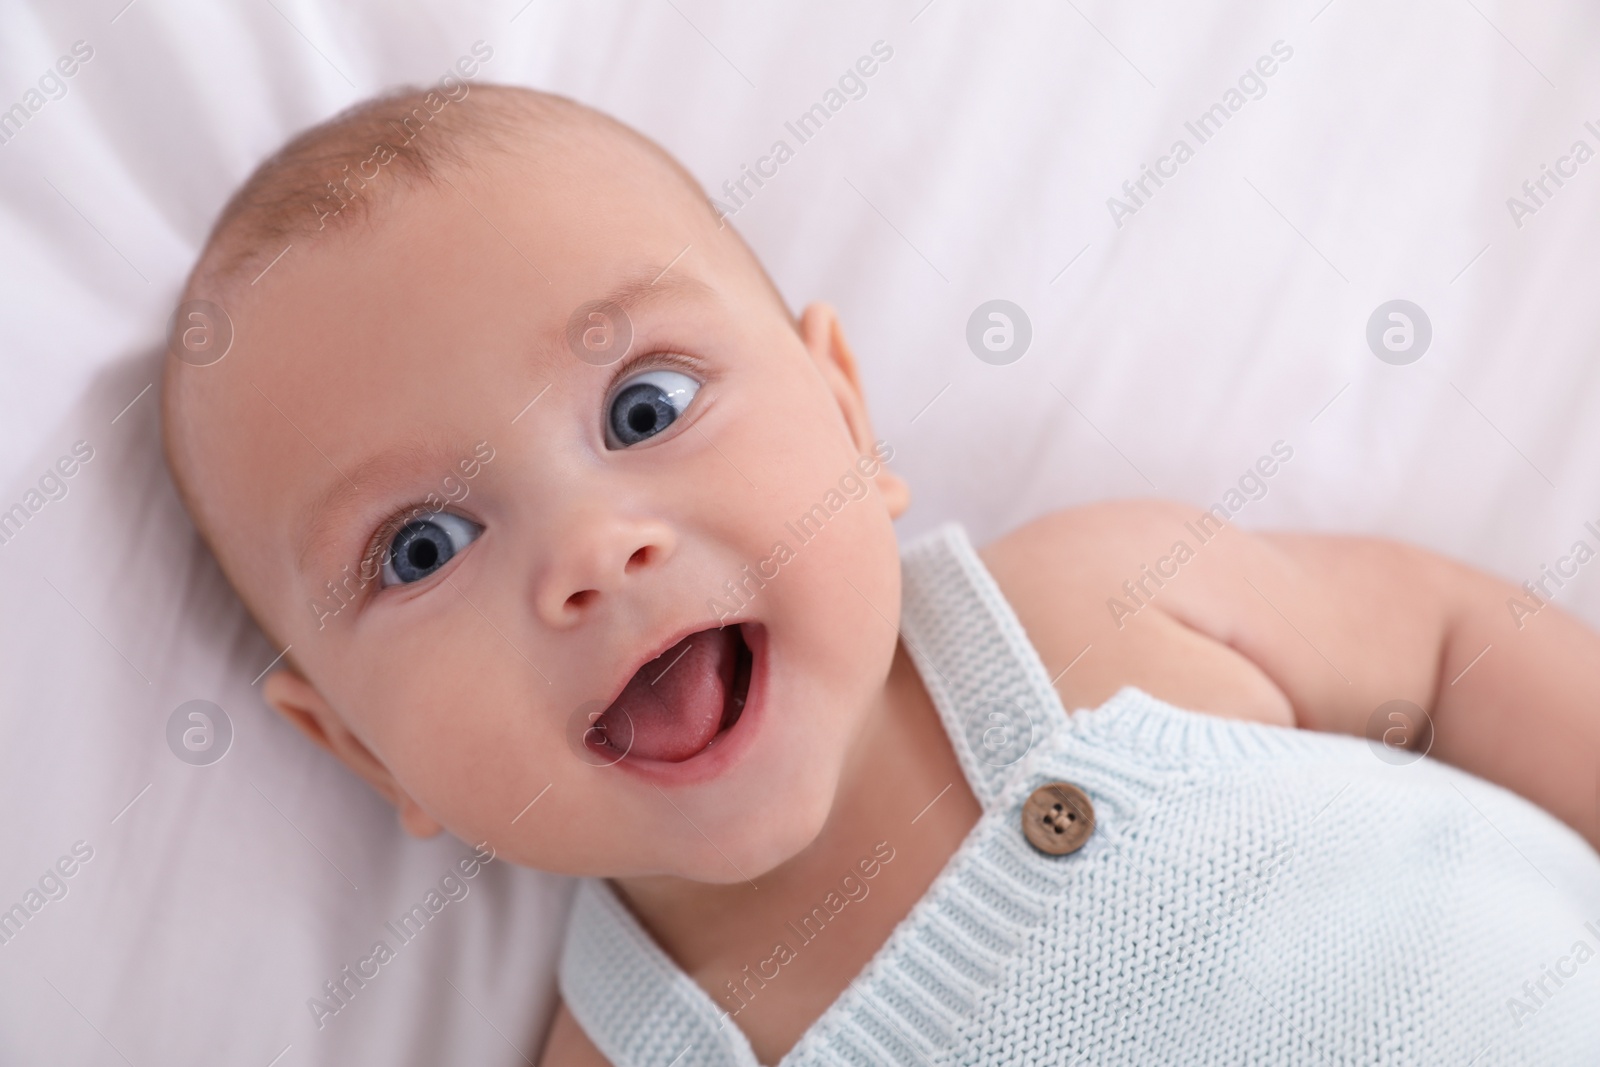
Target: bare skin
x,y
453,695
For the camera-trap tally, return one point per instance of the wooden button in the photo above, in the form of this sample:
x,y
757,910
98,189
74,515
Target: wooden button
x,y
1058,818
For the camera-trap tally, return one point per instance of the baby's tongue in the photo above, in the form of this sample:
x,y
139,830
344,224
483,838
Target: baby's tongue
x,y
675,702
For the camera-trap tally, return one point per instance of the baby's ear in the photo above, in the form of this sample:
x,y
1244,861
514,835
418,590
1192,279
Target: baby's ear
x,y
823,336
299,701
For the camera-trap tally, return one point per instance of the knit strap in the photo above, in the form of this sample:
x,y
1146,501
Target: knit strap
x,y
638,1007
995,701
985,677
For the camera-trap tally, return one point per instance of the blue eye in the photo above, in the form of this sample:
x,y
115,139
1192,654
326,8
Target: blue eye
x,y
422,546
646,404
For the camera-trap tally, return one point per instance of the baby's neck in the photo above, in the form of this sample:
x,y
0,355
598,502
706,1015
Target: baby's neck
x,y
902,808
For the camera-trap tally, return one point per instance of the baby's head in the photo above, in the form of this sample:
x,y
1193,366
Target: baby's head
x,y
520,451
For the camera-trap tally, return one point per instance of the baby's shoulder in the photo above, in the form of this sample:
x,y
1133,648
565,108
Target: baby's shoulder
x,y
567,1045
1067,576
1058,570
1090,536
1089,545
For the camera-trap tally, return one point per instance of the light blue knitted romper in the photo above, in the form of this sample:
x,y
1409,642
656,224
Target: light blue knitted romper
x,y
1250,895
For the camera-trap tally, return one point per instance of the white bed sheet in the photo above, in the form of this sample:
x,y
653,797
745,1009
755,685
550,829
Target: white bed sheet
x,y
1226,314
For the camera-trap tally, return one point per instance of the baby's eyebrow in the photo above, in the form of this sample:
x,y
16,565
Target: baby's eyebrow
x,y
393,468
648,283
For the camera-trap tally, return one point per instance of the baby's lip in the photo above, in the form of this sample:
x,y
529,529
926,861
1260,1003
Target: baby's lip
x,y
738,733
684,746
656,653
675,705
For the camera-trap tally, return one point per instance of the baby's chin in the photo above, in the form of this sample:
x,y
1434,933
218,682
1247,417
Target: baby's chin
x,y
772,835
763,812
768,836
769,816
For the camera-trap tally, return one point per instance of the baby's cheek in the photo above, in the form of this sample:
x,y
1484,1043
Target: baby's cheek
x,y
482,746
465,736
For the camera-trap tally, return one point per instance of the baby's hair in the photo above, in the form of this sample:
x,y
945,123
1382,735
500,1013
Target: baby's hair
x,y
337,174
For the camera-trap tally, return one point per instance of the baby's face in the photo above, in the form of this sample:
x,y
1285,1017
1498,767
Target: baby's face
x,y
477,542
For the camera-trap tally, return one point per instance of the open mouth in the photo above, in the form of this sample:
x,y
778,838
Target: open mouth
x,y
680,703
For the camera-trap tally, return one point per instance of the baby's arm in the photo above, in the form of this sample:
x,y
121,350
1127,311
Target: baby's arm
x,y
1344,624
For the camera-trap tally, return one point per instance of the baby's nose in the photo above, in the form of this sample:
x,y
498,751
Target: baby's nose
x,y
596,559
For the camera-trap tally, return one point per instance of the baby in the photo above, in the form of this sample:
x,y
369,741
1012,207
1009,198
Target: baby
x,y
583,546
